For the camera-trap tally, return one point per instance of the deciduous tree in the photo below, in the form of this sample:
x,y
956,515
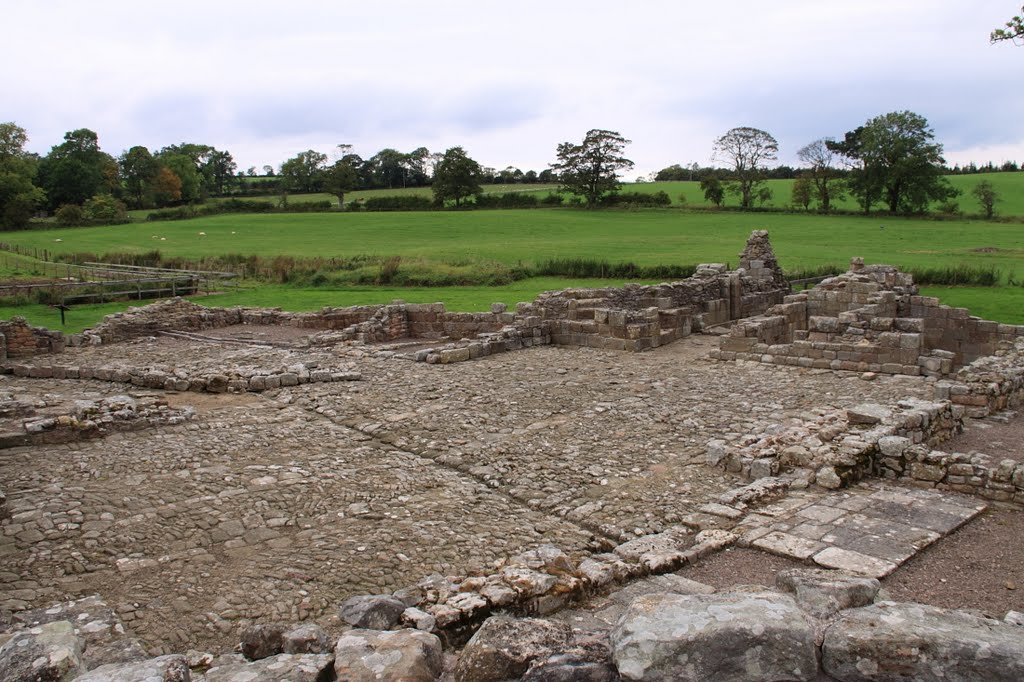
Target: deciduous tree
x,y
591,169
19,195
824,179
713,191
340,178
747,151
77,169
303,172
138,169
985,193
456,177
802,192
896,160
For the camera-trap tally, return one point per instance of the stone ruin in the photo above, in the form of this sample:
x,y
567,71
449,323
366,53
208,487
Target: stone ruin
x,y
517,621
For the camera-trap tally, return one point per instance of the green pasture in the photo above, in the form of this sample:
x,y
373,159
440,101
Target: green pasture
x,y
646,237
1009,186
480,239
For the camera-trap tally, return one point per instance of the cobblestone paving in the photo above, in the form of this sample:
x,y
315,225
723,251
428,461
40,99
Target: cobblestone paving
x,y
281,505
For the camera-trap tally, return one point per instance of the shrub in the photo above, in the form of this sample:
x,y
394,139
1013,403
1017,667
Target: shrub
x,y
104,209
637,199
507,200
409,202
70,215
553,200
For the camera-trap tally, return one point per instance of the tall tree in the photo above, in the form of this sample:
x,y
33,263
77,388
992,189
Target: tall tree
x,y
899,162
591,169
77,169
19,195
218,170
138,170
822,173
303,172
340,178
747,150
184,168
1012,31
456,176
417,165
389,169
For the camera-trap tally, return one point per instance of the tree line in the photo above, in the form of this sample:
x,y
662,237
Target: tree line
x,y
892,162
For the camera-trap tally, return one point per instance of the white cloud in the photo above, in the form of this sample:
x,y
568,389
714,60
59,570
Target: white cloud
x,y
507,81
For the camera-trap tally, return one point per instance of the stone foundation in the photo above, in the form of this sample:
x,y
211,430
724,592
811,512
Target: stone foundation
x,y
834,447
867,320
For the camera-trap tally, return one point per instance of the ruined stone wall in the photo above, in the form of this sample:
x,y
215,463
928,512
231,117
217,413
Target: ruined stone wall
x,y
18,339
173,314
629,318
868,320
901,441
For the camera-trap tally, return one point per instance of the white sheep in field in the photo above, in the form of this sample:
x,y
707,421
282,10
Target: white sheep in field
x,y
202,234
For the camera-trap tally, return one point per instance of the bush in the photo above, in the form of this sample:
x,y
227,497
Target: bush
x,y
104,209
553,200
70,215
592,268
507,200
409,202
637,199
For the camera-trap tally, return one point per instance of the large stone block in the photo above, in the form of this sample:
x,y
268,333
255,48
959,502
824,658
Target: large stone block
x,y
890,642
388,656
744,637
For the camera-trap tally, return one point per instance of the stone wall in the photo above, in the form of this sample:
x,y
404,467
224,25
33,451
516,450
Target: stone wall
x,y
867,320
630,318
20,340
834,447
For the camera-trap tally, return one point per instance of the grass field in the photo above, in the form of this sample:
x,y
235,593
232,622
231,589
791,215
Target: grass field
x,y
646,237
481,239
1009,186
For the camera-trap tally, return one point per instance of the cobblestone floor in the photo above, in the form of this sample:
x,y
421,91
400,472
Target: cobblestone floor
x,y
280,505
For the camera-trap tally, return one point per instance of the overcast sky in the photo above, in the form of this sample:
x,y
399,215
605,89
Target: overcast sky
x,y
507,80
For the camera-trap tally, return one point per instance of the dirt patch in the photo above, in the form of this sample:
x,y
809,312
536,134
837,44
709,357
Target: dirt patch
x,y
739,566
980,566
270,333
986,249
1000,438
204,402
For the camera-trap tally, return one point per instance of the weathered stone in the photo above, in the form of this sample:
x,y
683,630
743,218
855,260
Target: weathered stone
x,y
867,414
758,636
895,641
100,631
263,640
372,612
504,648
46,653
171,668
388,656
824,593
279,668
308,638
